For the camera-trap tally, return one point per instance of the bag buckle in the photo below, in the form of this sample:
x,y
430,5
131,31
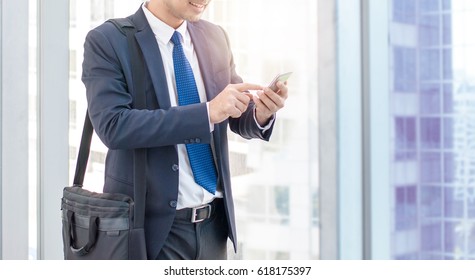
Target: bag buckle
x,y
195,212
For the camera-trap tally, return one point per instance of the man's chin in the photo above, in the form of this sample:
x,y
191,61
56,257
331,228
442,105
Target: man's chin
x,y
193,18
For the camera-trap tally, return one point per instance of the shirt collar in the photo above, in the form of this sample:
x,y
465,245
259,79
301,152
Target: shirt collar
x,y
162,30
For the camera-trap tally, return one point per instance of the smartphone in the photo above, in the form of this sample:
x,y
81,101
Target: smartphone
x,y
279,78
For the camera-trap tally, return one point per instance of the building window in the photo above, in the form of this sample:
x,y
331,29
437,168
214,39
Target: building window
x,y
404,11
404,69
406,208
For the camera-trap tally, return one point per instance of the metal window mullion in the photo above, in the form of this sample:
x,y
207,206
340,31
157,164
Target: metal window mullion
x,y
366,195
327,131
53,155
1,130
376,124
350,124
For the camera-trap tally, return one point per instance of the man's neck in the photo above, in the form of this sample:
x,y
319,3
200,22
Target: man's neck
x,y
161,11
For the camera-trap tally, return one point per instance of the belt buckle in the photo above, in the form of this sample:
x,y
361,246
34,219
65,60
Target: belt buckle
x,y
194,213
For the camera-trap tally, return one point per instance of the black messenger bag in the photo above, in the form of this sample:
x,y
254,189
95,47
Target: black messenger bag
x,y
107,226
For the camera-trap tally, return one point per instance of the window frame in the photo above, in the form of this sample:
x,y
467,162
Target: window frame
x,y
14,130
53,122
376,130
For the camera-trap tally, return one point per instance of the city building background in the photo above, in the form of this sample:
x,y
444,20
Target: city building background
x,y
432,106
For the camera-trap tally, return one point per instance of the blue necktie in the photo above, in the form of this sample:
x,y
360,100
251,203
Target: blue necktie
x,y
200,155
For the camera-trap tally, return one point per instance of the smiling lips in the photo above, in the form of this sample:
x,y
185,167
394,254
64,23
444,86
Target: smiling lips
x,y
200,6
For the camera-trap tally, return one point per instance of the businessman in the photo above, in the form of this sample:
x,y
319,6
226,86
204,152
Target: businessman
x,y
193,94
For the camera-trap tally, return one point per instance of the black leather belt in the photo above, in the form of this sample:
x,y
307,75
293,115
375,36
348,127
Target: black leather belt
x,y
199,213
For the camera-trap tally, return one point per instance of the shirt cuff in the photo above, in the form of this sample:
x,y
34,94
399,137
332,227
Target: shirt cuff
x,y
211,126
267,126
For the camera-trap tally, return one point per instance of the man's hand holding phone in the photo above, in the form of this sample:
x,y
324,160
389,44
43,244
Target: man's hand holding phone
x,y
271,99
234,99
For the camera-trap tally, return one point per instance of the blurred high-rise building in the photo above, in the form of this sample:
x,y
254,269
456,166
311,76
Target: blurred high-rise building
x,y
432,108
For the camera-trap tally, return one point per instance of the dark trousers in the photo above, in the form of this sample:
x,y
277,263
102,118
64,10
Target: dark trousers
x,y
203,240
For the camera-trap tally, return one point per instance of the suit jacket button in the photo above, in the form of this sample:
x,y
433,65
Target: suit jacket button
x,y
175,167
187,141
172,203
198,140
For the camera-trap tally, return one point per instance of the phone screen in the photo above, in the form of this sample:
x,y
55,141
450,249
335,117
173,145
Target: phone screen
x,y
279,78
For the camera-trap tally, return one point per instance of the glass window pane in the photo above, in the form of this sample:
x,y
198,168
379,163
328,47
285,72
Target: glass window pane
x,y
404,69
271,182
411,133
454,239
426,6
450,168
431,238
430,98
448,64
447,29
444,128
429,64
400,133
405,139
470,196
406,208
446,4
454,202
281,193
430,168
430,133
448,98
429,30
404,11
431,202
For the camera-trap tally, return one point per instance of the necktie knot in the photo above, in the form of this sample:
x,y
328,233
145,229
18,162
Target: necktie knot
x,y
176,38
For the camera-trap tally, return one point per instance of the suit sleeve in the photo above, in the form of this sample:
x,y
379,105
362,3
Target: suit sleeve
x,y
106,75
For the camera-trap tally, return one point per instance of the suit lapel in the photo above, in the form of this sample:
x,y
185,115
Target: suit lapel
x,y
152,57
201,46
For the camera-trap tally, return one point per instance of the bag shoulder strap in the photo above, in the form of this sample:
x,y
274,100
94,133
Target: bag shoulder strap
x,y
126,27
83,154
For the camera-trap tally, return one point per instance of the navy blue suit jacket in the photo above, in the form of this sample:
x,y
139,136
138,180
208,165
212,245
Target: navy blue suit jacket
x,y
110,94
